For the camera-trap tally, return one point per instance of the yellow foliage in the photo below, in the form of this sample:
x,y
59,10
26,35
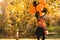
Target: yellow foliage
x,y
13,9
18,20
9,21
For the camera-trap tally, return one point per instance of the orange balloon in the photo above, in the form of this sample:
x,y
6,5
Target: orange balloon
x,y
32,9
43,3
39,8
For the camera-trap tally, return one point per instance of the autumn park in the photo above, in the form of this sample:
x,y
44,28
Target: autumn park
x,y
17,22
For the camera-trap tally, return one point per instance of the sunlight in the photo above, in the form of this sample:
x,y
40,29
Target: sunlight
x,y
1,0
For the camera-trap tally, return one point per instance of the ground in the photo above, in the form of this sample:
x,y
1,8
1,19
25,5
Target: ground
x,y
28,39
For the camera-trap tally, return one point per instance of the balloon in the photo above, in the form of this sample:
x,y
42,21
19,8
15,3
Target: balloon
x,y
32,9
38,8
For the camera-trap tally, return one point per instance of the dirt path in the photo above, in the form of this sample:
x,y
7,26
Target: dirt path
x,y
29,39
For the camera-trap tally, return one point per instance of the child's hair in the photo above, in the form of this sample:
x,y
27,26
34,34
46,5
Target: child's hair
x,y
44,10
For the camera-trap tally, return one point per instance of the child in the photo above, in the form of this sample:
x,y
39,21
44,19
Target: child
x,y
39,9
41,27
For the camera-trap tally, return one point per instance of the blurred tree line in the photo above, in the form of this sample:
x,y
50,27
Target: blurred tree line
x,y
16,16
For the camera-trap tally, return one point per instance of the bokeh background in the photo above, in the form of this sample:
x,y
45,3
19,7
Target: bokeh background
x,y
15,17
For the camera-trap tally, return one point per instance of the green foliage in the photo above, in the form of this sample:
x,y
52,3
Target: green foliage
x,y
58,22
48,23
51,29
57,29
